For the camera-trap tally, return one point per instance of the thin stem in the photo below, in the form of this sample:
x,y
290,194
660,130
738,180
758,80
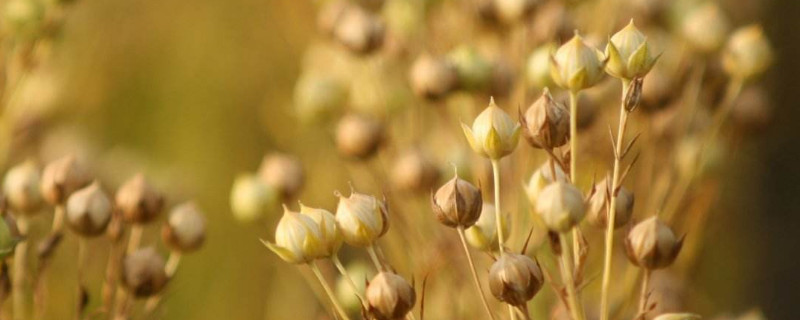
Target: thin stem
x,y
169,268
643,298
81,278
524,309
474,272
20,290
135,238
612,207
566,273
328,291
573,159
374,256
498,209
343,272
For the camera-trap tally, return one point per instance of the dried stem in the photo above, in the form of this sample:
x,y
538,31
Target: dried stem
x,y
134,239
81,299
496,175
375,260
328,291
644,294
474,272
576,310
343,272
573,159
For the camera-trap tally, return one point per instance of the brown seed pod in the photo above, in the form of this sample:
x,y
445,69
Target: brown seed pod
x,y
358,30
432,78
457,203
389,296
515,279
89,211
414,171
21,187
752,111
597,213
185,230
143,273
284,173
61,178
652,245
358,136
138,201
546,123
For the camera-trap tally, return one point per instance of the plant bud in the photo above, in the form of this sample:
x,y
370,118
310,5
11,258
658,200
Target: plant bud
x,y
546,123
329,234
597,213
361,218
512,11
748,53
358,136
493,134
23,18
21,188
143,273
706,28
433,78
359,30
474,71
542,178
185,230
629,54
390,297
284,173
318,97
251,198
298,238
576,66
89,211
457,203
483,234
414,171
561,206
515,279
652,245
138,201
538,66
61,178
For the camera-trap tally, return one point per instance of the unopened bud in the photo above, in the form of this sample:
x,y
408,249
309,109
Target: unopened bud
x,y
597,213
483,234
358,136
474,71
706,28
143,273
251,198
432,77
538,66
361,218
561,206
61,178
629,54
138,201
89,211
748,53
21,188
542,178
414,171
360,31
576,66
331,239
652,245
284,173
457,203
390,297
318,97
546,123
515,279
493,134
185,230
298,238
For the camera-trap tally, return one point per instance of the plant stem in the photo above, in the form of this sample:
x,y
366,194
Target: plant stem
x,y
573,160
566,273
81,275
169,268
612,206
374,256
498,209
343,272
643,298
474,273
20,290
524,309
328,291
135,238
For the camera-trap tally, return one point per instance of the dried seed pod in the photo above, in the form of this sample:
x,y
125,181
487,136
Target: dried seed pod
x,y
284,173
542,178
298,238
706,28
432,77
138,201
483,234
652,245
546,123
629,54
89,211
389,297
414,171
185,230
361,218
61,178
473,70
561,206
515,279
251,198
331,238
597,211
21,188
748,53
360,31
457,203
493,134
358,136
143,273
576,66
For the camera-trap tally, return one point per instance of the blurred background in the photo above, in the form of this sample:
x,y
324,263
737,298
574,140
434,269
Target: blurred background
x,y
195,92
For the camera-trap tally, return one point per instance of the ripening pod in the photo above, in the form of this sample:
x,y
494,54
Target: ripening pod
x,y
389,297
143,273
629,54
89,211
358,135
331,239
473,70
358,30
546,123
414,171
251,198
483,234
597,213
361,219
706,27
185,230
515,279
138,201
576,66
284,173
432,77
537,68
542,178
748,53
318,97
457,203
493,134
298,238
61,178
561,206
513,11
23,18
652,245
21,188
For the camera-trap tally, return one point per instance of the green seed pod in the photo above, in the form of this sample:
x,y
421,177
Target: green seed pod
x,y
576,66
251,198
483,234
538,67
361,218
561,206
318,97
629,54
705,28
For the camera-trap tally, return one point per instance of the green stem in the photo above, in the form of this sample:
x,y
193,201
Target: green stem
x,y
498,209
328,291
474,272
576,310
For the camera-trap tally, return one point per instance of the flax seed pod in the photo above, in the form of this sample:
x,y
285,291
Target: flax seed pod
x,y
389,297
433,78
138,201
652,245
358,136
143,273
284,173
21,188
185,230
515,279
597,211
89,211
457,203
61,178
